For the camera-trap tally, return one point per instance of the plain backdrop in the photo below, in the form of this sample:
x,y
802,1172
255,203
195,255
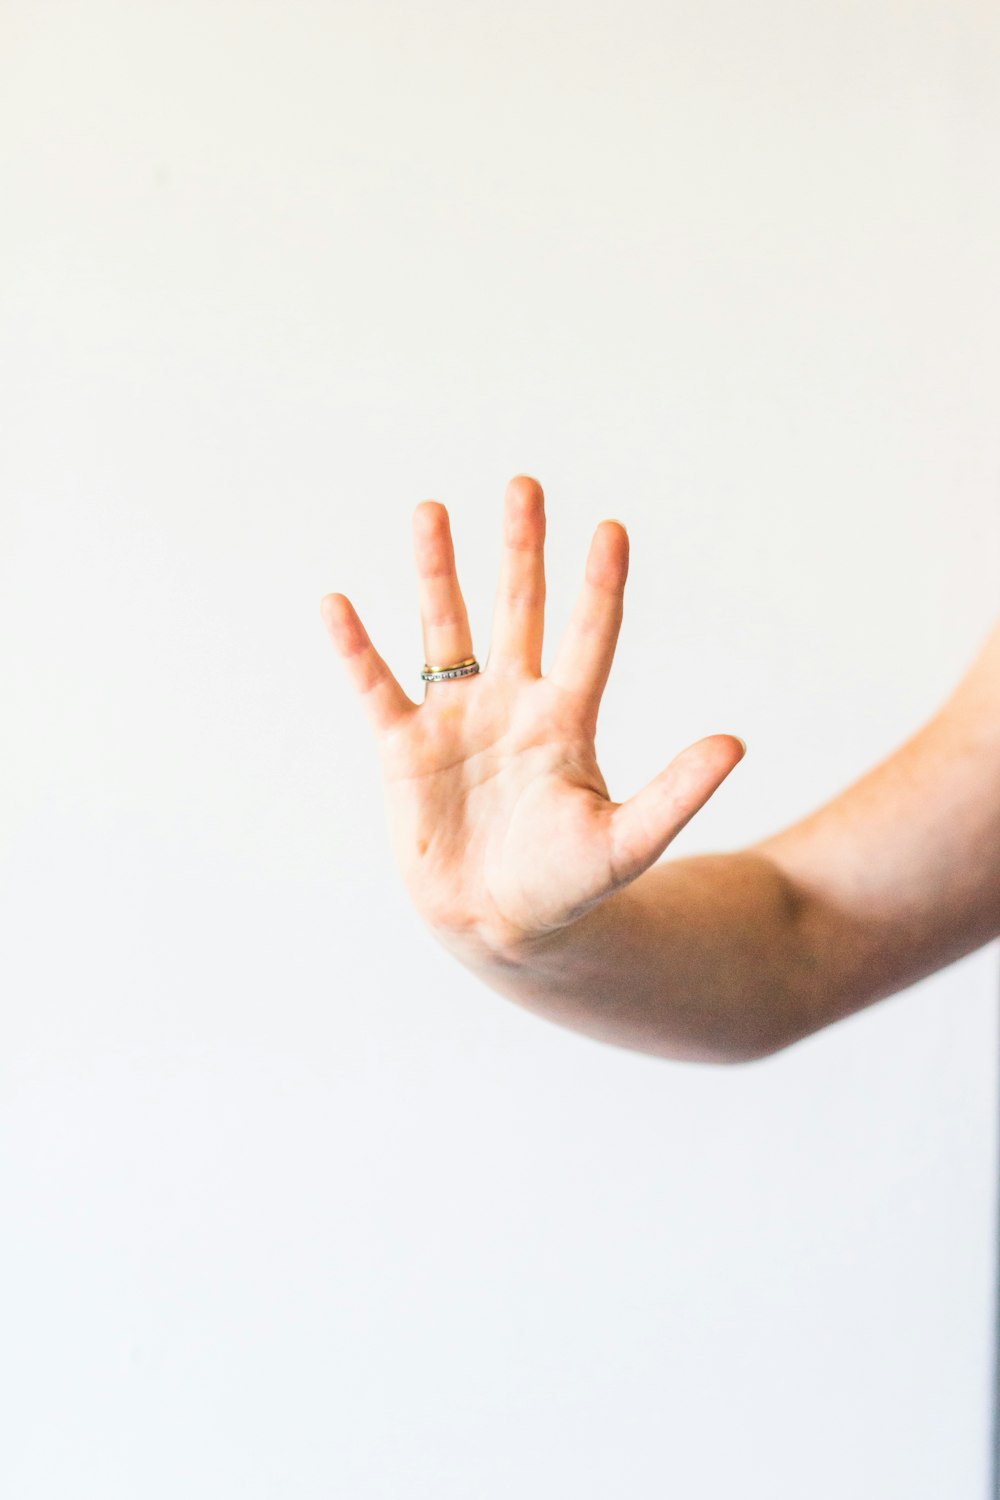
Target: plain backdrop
x,y
293,1206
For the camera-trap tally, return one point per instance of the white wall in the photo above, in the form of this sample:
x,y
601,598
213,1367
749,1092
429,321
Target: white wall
x,y
293,1207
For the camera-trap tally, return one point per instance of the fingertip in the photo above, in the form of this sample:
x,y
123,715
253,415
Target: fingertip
x,y
339,618
607,560
734,739
624,554
331,605
735,742
429,513
717,750
525,487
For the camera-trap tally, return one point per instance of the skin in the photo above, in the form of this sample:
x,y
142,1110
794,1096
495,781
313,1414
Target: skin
x,y
550,892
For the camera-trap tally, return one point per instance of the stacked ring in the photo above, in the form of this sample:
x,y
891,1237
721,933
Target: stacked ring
x,y
466,668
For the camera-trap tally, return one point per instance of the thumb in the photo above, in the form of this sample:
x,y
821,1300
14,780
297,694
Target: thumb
x,y
642,827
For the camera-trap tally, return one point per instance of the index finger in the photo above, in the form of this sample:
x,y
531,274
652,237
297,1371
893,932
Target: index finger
x,y
583,661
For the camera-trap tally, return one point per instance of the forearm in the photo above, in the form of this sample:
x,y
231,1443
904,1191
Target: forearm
x,y
705,958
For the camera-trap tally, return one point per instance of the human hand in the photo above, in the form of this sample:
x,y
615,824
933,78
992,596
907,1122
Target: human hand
x,y
501,821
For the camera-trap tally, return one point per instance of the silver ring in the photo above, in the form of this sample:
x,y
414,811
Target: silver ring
x,y
467,668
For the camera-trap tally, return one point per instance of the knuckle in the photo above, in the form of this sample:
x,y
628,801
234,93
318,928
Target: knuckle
x,y
524,598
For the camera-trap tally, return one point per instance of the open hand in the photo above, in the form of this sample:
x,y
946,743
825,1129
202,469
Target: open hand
x,y
501,822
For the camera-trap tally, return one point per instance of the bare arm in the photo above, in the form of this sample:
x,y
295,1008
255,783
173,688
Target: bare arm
x,y
549,892
700,959
899,875
730,957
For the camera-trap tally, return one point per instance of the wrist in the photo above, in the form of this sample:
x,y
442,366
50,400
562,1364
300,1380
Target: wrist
x,y
557,954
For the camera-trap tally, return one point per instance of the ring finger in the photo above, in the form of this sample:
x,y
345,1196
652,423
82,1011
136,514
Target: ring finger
x,y
443,615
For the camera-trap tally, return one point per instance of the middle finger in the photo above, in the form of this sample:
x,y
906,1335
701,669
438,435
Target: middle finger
x,y
519,615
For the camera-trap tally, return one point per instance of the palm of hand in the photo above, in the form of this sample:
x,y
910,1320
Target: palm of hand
x,y
498,810
501,822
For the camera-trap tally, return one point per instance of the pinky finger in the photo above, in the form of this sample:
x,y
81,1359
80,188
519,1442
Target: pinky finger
x,y
642,827
384,700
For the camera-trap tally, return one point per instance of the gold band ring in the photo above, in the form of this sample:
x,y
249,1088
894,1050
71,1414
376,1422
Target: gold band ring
x,y
466,668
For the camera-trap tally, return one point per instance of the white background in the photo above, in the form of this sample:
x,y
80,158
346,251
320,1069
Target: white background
x,y
292,1205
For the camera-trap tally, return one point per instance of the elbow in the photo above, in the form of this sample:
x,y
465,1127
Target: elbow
x,y
752,1044
719,1051
741,1052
